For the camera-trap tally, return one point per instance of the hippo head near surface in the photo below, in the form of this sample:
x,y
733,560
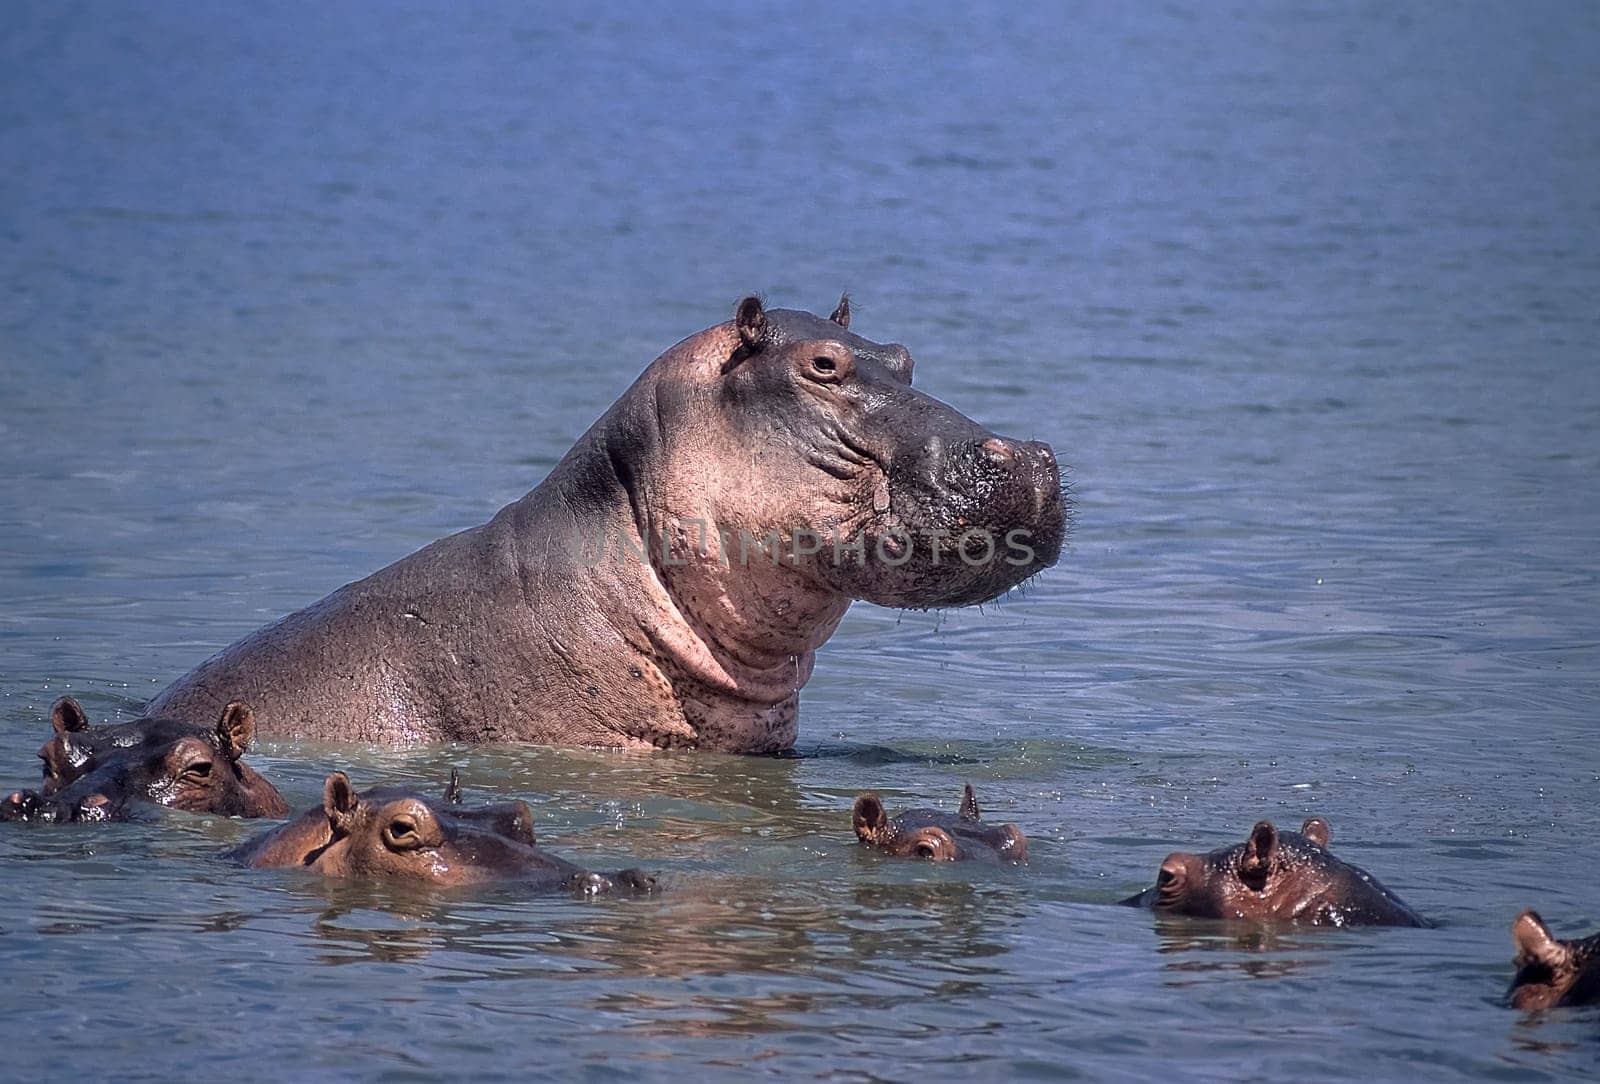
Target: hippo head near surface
x,y
398,834
112,772
1275,876
670,580
1552,973
935,836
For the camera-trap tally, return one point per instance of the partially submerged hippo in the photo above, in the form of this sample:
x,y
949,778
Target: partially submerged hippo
x,y
670,580
1551,972
1275,876
113,772
397,834
935,836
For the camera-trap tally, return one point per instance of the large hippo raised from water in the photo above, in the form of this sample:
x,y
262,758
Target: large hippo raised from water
x,y
669,582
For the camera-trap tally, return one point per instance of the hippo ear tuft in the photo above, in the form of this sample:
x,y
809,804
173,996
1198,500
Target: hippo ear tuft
x,y
1259,850
841,313
339,802
1316,830
751,320
969,805
869,818
236,729
66,716
452,789
1535,943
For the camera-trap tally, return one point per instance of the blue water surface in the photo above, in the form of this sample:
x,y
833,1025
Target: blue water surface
x,y
1305,295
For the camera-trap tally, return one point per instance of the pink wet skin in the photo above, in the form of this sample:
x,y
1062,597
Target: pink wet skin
x,y
774,422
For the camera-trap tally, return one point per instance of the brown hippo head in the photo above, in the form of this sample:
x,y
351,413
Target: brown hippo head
x,y
937,837
1275,876
111,772
397,834
1551,972
859,483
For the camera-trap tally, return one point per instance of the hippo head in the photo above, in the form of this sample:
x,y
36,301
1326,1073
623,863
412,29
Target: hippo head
x,y
792,441
75,746
400,835
110,772
1552,972
937,837
1274,875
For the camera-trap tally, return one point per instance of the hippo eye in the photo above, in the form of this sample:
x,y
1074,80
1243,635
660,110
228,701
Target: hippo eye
x,y
200,769
401,834
927,850
824,364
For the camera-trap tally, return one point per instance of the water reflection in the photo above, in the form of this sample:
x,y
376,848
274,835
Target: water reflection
x,y
1204,946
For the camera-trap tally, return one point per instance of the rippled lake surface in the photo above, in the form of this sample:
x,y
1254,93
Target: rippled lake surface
x,y
1306,297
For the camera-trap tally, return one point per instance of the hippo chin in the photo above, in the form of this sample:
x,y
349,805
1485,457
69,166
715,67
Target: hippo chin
x,y
933,836
1275,877
396,834
1552,973
121,771
669,582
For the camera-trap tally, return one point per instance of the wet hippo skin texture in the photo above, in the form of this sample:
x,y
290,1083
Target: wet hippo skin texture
x,y
1275,877
129,770
510,632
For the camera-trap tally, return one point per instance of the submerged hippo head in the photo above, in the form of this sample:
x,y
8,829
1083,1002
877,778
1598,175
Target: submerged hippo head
x,y
110,772
1551,972
1275,876
397,834
935,836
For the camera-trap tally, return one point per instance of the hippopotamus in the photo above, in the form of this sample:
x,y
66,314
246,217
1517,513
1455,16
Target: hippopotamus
x,y
398,834
1275,876
669,582
935,836
1550,972
114,772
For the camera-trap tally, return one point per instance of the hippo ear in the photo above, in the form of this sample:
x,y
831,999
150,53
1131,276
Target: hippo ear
x,y
969,805
236,729
452,789
751,320
841,314
869,818
339,802
1535,944
1259,850
1316,830
67,716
